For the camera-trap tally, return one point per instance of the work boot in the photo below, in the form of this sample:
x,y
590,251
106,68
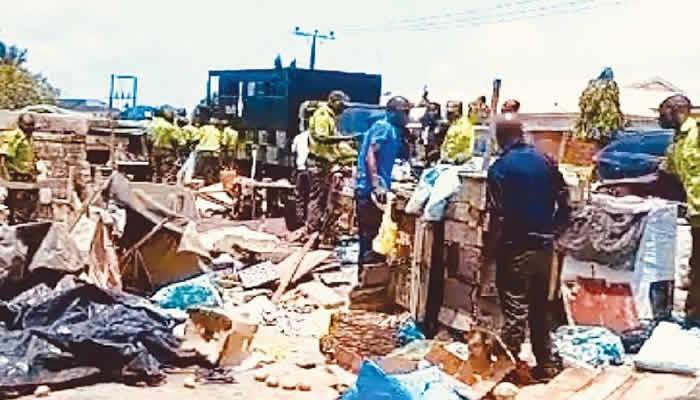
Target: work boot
x,y
544,374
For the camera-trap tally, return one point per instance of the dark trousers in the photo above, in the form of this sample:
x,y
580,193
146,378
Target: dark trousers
x,y
22,204
692,304
319,181
208,166
369,218
164,164
302,189
523,285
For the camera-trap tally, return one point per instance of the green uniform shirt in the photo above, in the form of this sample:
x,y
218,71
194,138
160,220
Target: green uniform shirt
x,y
321,127
165,135
209,138
190,135
19,152
229,139
684,161
458,145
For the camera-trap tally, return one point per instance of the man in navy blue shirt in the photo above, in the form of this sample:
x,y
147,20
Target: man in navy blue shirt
x,y
382,145
528,205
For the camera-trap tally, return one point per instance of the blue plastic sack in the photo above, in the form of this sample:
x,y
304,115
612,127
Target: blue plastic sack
x,y
424,384
633,154
197,292
424,189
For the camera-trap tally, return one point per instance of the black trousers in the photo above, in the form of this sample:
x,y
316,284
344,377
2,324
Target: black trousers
x,y
302,189
692,304
369,219
522,279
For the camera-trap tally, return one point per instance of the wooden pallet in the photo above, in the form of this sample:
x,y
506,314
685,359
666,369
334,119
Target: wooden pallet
x,y
614,383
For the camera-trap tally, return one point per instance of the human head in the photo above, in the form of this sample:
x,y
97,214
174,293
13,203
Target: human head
x,y
454,110
510,106
337,101
509,130
482,99
433,110
182,121
196,120
674,111
167,114
26,123
397,109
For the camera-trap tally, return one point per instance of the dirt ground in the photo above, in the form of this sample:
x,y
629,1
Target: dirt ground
x,y
247,388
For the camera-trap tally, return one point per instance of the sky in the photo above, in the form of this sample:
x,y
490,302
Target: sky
x,y
544,61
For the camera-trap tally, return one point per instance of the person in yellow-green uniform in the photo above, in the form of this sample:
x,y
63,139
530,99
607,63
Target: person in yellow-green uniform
x,y
166,140
684,162
208,161
229,145
17,164
326,149
458,145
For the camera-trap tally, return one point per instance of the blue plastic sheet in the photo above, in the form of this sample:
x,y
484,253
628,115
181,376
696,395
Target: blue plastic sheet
x,y
424,384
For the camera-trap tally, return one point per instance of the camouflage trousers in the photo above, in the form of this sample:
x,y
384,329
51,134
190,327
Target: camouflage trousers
x,y
164,164
523,286
208,166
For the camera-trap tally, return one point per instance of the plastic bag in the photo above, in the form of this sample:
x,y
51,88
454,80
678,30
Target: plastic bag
x,y
446,185
422,193
385,241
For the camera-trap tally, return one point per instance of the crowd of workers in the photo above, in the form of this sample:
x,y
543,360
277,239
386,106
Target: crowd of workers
x,y
172,139
527,196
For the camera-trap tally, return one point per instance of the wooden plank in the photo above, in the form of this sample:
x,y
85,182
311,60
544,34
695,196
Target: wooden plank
x,y
563,387
649,386
605,384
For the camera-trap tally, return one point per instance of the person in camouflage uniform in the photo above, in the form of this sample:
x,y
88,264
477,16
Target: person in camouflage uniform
x,y
327,150
458,145
166,141
17,164
684,162
208,162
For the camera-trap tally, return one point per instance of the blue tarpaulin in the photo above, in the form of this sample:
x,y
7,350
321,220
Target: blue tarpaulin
x,y
633,154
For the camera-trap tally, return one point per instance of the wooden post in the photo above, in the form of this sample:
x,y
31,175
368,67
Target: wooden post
x,y
492,126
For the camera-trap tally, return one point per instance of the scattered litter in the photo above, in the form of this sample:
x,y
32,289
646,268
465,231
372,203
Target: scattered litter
x,y
258,275
588,346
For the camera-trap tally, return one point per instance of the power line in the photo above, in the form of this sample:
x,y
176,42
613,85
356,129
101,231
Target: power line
x,y
483,17
313,35
448,15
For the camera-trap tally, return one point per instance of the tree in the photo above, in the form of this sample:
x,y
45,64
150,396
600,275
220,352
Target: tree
x,y
19,87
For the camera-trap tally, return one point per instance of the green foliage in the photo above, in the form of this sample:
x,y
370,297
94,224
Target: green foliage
x,y
18,86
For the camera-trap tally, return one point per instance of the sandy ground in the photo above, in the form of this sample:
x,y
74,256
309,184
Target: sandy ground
x,y
247,388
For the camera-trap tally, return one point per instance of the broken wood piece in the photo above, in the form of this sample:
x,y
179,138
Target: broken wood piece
x,y
288,267
321,294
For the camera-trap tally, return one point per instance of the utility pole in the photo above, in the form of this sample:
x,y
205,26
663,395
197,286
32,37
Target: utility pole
x,y
314,35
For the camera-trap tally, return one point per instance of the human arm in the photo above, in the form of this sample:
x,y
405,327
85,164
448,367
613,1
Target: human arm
x,y
494,207
561,197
